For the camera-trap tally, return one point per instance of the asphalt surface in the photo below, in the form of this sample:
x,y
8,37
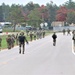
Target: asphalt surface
x,y
40,58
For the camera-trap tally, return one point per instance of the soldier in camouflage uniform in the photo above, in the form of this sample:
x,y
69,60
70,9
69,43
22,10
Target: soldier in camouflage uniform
x,y
0,42
8,40
43,33
16,39
22,39
34,35
12,40
73,38
31,36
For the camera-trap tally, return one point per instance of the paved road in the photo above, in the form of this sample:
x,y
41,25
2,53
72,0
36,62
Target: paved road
x,y
40,58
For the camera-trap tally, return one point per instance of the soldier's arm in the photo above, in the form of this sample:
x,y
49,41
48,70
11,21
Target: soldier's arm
x,y
26,40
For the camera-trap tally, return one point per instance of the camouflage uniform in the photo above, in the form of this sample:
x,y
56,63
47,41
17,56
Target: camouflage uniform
x,y
22,39
16,39
31,36
12,40
34,35
43,34
0,42
8,40
73,38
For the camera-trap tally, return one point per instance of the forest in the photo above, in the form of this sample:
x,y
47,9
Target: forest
x,y
34,14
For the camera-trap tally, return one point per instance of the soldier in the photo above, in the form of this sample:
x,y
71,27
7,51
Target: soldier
x,y
31,36
34,35
8,40
0,42
40,34
68,31
16,39
73,31
73,39
27,31
43,33
22,39
12,40
63,31
54,36
37,33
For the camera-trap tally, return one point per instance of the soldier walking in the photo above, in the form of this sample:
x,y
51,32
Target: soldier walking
x,y
0,42
34,35
64,31
12,40
31,36
8,40
43,33
73,38
22,39
16,39
54,36
68,32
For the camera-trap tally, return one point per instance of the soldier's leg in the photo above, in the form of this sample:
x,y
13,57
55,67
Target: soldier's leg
x,y
20,48
16,41
74,46
54,42
9,45
12,44
0,46
23,48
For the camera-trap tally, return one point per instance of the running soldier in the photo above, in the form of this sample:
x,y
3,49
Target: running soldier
x,y
8,40
54,36
22,39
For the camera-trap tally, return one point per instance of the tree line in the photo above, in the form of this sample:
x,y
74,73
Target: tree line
x,y
34,14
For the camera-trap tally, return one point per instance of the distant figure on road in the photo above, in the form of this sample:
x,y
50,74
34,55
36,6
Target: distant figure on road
x,y
64,31
22,39
68,32
54,36
73,38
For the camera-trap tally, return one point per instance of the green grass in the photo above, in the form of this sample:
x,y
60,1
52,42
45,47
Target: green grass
x,y
4,43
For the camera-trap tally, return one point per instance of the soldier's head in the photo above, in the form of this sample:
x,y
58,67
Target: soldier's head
x,y
54,32
9,35
13,35
22,33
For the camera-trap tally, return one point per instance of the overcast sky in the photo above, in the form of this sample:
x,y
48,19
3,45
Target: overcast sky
x,y
24,2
